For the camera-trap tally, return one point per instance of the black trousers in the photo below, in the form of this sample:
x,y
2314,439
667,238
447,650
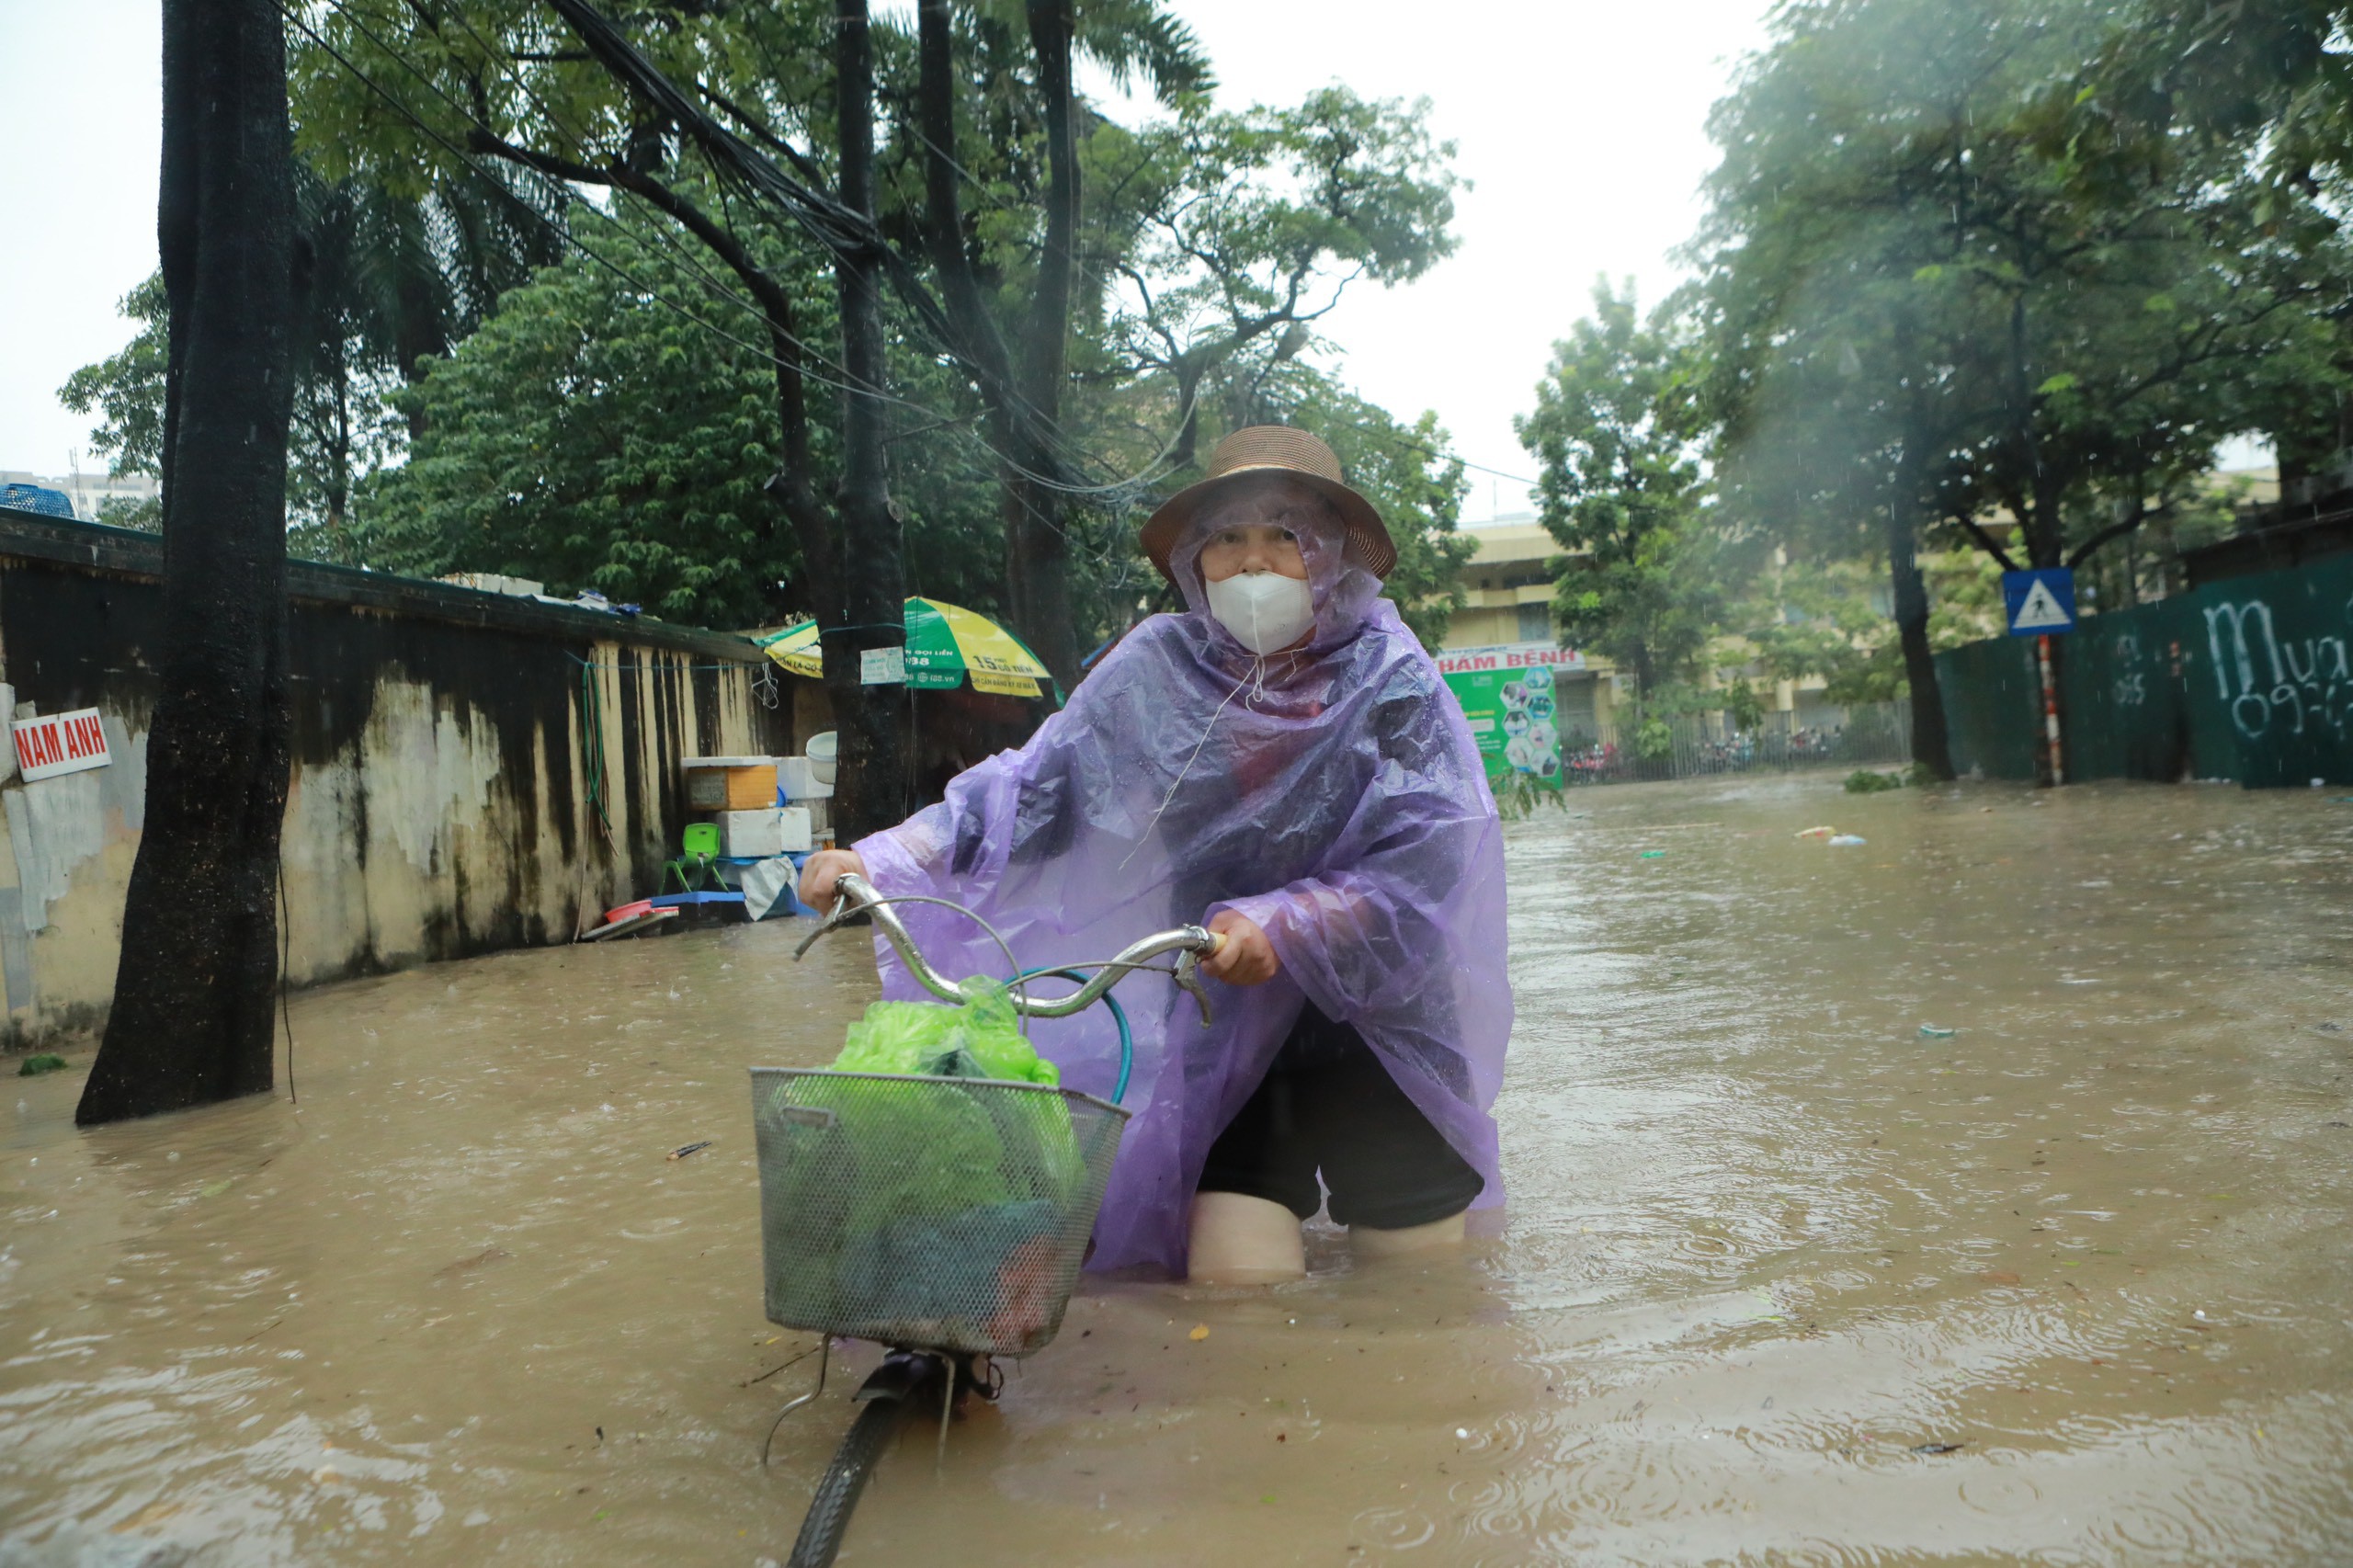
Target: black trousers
x,y
1327,1105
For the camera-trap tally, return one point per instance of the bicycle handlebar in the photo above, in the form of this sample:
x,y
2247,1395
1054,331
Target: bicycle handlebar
x,y
855,895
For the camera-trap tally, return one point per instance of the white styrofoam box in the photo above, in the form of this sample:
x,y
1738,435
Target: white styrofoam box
x,y
751,836
795,830
799,777
493,583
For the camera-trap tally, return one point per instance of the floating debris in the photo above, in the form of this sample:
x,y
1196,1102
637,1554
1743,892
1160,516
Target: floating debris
x,y
1930,1031
683,1150
1866,781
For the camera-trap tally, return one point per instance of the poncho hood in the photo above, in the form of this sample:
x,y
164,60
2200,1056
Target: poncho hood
x,y
1332,793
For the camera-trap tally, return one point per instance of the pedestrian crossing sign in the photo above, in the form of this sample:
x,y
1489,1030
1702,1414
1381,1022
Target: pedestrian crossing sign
x,y
2039,603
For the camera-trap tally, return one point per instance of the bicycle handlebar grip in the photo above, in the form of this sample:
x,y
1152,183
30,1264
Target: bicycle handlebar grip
x,y
1217,945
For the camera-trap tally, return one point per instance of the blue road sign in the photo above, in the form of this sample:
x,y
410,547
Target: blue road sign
x,y
2039,603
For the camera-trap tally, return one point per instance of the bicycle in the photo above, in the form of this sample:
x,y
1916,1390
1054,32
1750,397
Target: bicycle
x,y
871,1226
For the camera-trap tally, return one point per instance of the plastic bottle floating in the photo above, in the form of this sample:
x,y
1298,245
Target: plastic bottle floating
x,y
1845,841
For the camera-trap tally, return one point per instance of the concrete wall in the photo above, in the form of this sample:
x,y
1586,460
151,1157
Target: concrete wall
x,y
471,772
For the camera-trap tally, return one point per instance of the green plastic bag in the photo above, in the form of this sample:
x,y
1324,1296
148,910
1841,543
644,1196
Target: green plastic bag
x,y
919,1158
914,1036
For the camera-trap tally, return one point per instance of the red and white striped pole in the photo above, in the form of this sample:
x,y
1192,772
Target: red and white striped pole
x,y
2049,708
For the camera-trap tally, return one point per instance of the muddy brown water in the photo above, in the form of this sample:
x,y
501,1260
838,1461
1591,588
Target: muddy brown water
x,y
1770,1249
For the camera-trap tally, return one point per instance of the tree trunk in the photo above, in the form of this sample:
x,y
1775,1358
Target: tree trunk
x,y
1038,539
1020,381
195,985
1931,746
338,466
1037,574
851,559
874,744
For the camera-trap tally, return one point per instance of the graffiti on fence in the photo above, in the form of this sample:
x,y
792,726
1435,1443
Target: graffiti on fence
x,y
2266,680
2128,690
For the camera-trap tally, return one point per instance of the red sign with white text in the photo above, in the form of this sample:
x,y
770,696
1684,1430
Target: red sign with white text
x,y
61,743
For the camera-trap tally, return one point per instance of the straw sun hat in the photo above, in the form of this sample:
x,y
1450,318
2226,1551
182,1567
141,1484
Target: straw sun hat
x,y
1277,450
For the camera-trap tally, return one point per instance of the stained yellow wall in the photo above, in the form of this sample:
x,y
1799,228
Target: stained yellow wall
x,y
440,801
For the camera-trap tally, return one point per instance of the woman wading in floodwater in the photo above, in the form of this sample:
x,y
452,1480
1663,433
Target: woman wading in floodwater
x,y
1282,764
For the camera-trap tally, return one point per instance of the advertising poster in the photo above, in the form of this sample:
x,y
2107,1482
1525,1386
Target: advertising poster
x,y
1507,693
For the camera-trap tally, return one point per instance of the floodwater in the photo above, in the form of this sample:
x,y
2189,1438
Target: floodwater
x,y
1785,1278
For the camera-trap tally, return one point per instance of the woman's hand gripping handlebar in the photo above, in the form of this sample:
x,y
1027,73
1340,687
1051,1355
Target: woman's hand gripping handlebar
x,y
854,896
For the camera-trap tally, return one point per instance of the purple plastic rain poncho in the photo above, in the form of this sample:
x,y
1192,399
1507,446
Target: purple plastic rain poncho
x,y
1334,795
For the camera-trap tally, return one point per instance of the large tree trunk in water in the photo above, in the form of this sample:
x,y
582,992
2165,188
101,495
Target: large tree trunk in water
x,y
873,792
1931,748
195,984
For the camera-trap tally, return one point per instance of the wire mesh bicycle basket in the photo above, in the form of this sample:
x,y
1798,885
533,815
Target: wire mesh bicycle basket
x,y
945,1214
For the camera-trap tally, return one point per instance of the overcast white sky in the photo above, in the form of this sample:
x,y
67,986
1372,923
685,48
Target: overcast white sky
x,y
1581,124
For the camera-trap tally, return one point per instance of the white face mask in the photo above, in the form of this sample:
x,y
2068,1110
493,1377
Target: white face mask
x,y
1265,610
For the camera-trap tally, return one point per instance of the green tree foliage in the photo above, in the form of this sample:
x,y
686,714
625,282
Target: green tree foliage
x,y
1952,274
589,437
1249,226
1414,480
1820,619
1204,244
126,391
388,280
592,436
1619,486
342,425
1935,265
2261,93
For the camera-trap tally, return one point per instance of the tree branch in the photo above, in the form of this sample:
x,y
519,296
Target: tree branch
x,y
776,305
2118,530
1985,541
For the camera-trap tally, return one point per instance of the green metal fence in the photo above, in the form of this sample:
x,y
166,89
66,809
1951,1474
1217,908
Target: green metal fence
x,y
2245,679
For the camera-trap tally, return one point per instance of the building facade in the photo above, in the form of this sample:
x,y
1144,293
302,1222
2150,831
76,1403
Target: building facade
x,y
92,493
1507,586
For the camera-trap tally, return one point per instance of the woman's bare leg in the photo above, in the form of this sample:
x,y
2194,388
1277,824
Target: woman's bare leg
x,y
1240,1240
1367,1241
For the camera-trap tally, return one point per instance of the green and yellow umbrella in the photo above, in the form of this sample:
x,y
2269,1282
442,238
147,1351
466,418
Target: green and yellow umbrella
x,y
945,644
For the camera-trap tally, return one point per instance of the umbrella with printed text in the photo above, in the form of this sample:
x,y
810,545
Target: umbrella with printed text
x,y
946,644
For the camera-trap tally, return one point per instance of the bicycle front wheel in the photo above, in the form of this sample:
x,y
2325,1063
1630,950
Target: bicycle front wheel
x,y
828,1518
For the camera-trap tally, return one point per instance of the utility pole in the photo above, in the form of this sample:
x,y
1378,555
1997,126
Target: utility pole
x,y
192,1020
2058,763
